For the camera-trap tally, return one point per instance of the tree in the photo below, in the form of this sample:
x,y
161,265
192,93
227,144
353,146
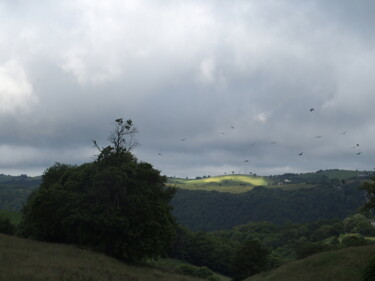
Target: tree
x,y
251,258
115,204
369,188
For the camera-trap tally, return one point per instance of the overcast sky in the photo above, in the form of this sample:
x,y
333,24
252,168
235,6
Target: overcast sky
x,y
212,86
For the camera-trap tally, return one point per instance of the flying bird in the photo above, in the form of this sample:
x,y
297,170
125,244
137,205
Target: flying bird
x,y
246,161
160,154
300,154
318,137
312,109
183,139
343,133
358,153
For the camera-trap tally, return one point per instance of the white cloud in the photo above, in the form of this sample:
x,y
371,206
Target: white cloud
x,y
16,91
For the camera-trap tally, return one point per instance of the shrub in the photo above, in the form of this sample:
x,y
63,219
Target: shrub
x,y
200,272
353,241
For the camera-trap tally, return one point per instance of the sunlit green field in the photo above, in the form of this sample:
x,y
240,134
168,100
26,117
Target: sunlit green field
x,y
226,183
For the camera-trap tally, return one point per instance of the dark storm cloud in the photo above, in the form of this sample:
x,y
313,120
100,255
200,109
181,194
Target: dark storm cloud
x,y
235,81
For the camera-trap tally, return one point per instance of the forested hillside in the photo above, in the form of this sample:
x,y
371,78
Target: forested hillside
x,y
14,190
211,210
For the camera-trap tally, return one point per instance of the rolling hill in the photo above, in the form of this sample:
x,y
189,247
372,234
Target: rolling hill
x,y
22,259
223,183
341,265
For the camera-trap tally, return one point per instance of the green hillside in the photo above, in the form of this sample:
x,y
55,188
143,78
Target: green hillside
x,y
341,265
224,183
22,259
238,183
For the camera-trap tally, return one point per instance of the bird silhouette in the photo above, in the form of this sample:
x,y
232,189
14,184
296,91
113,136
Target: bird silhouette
x,y
312,109
246,161
358,153
160,154
318,137
183,139
300,154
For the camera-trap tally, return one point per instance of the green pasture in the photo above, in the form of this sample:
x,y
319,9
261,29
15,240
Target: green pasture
x,y
226,183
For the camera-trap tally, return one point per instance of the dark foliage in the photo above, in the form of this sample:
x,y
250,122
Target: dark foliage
x,y
115,205
6,226
203,249
369,271
369,188
251,258
209,211
353,241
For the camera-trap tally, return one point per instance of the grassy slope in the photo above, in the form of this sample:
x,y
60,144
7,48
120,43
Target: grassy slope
x,y
342,265
22,260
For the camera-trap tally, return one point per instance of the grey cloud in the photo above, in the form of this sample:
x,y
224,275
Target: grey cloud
x,y
193,70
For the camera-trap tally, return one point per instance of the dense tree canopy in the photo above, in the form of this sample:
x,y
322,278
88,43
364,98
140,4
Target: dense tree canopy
x,y
114,204
369,188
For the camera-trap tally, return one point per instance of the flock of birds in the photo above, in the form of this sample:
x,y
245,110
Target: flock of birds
x,y
274,142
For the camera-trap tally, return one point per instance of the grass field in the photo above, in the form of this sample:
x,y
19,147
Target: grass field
x,y
341,265
22,260
14,217
226,183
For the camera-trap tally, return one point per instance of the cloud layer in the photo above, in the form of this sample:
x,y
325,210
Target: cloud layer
x,y
235,80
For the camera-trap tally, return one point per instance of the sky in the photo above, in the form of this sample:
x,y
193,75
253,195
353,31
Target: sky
x,y
213,87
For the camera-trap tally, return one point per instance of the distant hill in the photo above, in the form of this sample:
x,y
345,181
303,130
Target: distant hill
x,y
224,183
240,183
341,265
23,259
321,198
14,190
